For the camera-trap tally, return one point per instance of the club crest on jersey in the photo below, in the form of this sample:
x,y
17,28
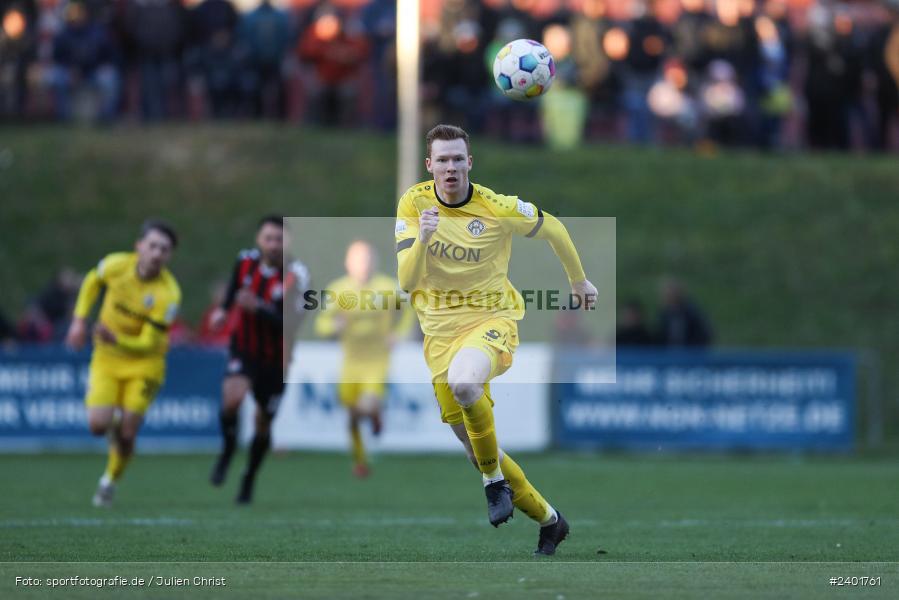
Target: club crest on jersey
x,y
525,208
148,301
476,228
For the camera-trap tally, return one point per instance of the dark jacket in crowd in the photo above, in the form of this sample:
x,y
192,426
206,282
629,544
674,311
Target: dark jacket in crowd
x,y
634,336
684,324
212,17
84,47
156,28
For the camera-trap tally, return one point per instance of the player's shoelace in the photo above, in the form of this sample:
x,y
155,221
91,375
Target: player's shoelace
x,y
496,492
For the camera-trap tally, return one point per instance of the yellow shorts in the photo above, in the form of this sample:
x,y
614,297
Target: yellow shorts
x,y
361,377
349,392
130,392
497,338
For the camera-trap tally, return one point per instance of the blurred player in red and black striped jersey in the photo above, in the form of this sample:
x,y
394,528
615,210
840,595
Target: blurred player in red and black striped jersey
x,y
259,352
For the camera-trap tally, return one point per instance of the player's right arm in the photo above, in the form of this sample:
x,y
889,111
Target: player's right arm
x,y
220,314
413,231
330,322
87,296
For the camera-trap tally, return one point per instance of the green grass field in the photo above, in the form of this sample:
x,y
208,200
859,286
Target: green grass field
x,y
642,526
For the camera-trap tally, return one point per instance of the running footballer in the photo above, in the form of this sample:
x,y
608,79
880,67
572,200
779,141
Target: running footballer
x,y
140,302
454,236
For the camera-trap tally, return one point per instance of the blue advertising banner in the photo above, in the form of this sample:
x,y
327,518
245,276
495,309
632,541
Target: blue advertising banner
x,y
42,401
706,400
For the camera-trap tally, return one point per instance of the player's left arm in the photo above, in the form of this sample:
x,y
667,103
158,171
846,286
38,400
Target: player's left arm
x,y
93,284
532,222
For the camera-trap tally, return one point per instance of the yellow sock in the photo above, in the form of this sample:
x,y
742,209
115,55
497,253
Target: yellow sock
x,y
478,419
525,496
116,464
358,448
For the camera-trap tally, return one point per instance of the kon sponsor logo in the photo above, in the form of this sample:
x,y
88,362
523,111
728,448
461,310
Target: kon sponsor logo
x,y
454,252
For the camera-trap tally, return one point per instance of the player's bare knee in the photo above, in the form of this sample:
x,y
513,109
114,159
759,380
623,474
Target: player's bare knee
x,y
466,393
263,424
98,427
233,391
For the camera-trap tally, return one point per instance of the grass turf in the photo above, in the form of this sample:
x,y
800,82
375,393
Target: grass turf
x,y
686,525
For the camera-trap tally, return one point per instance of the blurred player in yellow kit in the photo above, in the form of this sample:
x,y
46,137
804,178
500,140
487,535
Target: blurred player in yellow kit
x,y
140,302
366,319
453,244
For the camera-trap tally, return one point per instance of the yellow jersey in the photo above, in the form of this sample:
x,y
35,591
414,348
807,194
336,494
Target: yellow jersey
x,y
139,312
372,314
465,275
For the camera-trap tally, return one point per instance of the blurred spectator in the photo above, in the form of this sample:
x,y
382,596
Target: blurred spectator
x,y
632,328
829,83
337,48
564,113
884,51
18,44
681,321
265,36
508,119
47,316
648,40
461,77
723,104
379,19
211,18
86,67
33,326
690,38
570,330
774,72
57,300
597,71
156,30
7,333
212,55
671,99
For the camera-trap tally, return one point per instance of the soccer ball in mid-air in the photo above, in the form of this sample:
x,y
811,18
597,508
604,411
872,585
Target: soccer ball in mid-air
x,y
523,69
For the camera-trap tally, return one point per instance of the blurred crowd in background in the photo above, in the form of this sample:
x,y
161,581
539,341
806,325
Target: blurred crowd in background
x,y
680,321
764,73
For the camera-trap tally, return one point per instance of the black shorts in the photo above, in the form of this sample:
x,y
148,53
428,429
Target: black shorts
x,y
266,381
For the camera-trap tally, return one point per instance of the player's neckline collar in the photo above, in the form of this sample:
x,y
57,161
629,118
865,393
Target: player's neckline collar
x,y
461,204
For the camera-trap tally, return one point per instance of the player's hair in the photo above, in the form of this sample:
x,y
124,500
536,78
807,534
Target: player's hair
x,y
276,220
447,132
160,226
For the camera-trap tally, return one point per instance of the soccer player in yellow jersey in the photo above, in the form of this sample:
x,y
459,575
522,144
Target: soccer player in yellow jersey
x,y
141,299
366,320
453,241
